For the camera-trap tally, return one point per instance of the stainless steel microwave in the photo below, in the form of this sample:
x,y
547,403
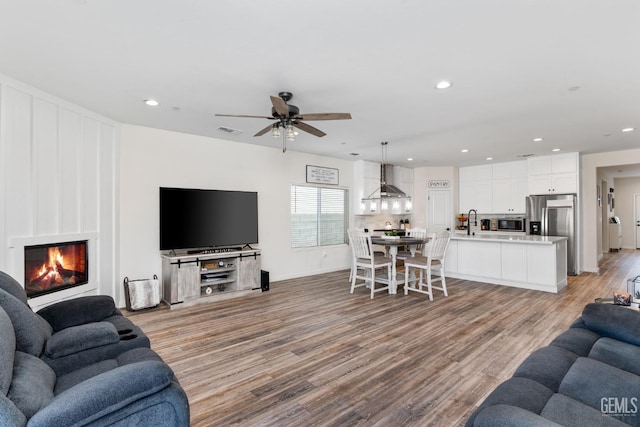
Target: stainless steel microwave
x,y
511,224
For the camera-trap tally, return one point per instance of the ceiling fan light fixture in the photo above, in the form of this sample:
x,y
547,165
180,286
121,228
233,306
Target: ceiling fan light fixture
x,y
289,134
275,130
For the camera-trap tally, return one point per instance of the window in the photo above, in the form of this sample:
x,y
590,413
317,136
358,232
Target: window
x,y
319,216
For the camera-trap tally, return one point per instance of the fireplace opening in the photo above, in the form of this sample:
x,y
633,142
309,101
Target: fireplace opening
x,y
55,266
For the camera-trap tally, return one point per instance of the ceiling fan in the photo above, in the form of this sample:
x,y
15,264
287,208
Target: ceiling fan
x,y
288,116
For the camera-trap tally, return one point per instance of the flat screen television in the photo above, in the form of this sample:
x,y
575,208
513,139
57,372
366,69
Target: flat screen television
x,y
196,219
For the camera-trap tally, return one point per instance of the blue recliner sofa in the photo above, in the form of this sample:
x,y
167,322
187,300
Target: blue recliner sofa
x,y
134,388
587,376
80,362
71,333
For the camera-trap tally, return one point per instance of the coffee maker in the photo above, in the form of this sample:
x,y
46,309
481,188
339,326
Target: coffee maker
x,y
485,224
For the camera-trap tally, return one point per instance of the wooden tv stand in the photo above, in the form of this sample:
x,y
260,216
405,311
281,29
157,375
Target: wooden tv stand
x,y
210,276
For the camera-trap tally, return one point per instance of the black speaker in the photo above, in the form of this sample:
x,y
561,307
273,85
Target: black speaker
x,y
264,280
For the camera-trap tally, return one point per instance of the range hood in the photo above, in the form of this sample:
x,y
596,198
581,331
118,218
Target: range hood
x,y
388,190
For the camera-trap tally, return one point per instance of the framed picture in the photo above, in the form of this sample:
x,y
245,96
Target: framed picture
x,y
322,175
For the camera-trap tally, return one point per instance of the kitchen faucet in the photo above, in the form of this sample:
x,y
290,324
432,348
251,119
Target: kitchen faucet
x,y
475,220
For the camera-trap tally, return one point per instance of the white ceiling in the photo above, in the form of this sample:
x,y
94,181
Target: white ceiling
x,y
512,64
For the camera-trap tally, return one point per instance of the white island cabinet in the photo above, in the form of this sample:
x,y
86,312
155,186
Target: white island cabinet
x,y
530,262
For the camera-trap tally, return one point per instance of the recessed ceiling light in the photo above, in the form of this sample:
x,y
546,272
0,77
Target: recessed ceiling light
x,y
537,139
151,102
410,159
628,129
489,158
556,149
443,85
464,150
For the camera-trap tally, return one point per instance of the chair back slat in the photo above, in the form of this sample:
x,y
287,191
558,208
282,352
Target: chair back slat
x,y
360,244
438,245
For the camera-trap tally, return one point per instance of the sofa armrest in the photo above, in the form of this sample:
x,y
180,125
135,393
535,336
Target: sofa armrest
x,y
79,338
78,311
104,394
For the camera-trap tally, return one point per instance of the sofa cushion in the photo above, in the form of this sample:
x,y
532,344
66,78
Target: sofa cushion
x,y
7,351
593,382
78,338
30,332
548,366
32,385
521,392
78,311
617,353
136,355
568,412
10,415
511,416
11,286
576,340
613,321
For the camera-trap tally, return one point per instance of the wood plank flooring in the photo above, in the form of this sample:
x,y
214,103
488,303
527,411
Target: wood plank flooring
x,y
309,353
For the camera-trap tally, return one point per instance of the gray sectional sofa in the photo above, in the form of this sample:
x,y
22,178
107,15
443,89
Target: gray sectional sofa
x,y
587,376
80,362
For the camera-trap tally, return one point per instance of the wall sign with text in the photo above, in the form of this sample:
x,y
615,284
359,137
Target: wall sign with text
x,y
438,183
321,175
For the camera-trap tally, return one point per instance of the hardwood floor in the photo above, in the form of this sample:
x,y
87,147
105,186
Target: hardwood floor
x,y
309,353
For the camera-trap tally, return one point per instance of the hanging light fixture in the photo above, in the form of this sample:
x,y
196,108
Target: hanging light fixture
x,y
289,133
275,130
389,195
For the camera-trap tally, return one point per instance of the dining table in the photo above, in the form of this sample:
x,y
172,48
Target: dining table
x,y
392,243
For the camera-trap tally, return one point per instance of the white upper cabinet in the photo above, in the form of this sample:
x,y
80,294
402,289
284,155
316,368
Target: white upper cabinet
x,y
500,188
553,174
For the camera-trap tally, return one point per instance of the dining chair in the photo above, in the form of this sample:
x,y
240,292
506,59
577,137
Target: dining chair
x,y
431,266
365,263
419,233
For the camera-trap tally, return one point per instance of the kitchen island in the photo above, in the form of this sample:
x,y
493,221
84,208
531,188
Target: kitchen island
x,y
530,262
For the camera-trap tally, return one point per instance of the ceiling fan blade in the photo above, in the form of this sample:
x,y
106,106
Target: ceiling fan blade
x,y
263,131
280,106
325,116
243,115
309,129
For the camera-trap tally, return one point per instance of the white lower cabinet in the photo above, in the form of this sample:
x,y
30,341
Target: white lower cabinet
x,y
514,262
532,265
479,258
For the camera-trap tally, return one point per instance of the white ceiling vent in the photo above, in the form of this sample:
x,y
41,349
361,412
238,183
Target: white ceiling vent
x,y
229,130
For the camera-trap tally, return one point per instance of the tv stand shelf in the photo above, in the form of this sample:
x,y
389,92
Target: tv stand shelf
x,y
210,276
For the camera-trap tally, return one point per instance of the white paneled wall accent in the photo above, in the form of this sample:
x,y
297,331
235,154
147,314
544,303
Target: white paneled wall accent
x,y
57,183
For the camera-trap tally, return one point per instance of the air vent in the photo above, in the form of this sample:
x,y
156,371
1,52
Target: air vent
x,y
229,130
525,155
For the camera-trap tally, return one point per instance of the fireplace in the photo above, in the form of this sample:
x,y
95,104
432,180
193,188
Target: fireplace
x,y
55,266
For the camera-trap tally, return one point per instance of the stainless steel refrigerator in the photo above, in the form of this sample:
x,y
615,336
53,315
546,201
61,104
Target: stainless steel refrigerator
x,y
555,215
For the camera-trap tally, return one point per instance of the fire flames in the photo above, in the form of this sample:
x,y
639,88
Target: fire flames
x,y
50,272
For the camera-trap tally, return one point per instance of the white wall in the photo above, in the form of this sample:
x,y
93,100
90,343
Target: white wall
x,y
589,205
57,183
153,158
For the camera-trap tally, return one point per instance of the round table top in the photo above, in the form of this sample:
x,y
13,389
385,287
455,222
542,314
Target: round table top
x,y
397,240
